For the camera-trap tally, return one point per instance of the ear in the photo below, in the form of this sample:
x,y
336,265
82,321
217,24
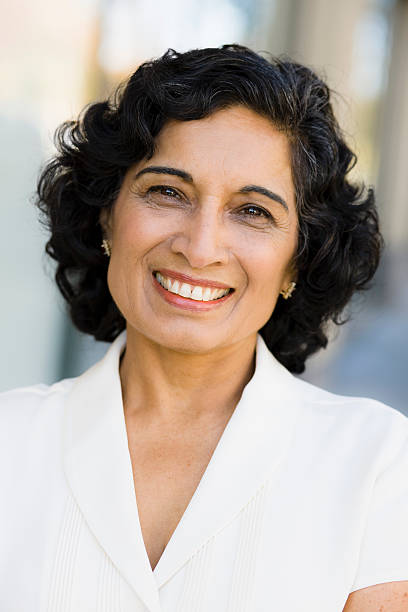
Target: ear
x,y
105,222
290,275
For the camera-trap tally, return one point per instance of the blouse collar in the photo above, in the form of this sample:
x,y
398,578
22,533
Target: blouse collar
x,y
99,471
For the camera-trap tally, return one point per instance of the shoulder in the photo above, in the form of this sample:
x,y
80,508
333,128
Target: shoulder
x,y
321,401
35,394
21,407
363,426
31,425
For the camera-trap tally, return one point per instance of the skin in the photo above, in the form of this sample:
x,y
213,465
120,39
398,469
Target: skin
x,y
200,228
385,597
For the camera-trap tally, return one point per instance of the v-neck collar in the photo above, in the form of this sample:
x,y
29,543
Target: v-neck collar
x,y
99,470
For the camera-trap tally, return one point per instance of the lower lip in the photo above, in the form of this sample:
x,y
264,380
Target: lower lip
x,y
187,303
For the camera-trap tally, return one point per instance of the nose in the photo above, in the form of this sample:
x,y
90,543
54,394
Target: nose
x,y
201,239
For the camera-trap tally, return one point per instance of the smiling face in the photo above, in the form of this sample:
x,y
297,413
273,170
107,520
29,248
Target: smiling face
x,y
217,202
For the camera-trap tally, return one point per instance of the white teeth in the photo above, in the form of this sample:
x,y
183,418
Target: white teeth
x,y
185,290
174,287
207,294
197,293
201,294
163,281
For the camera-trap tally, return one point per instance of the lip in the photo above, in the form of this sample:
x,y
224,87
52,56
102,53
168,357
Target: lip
x,y
202,282
188,303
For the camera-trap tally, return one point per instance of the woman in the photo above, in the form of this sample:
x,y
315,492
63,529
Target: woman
x,y
190,470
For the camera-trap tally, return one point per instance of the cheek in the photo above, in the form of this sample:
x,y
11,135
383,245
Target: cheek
x,y
267,262
137,232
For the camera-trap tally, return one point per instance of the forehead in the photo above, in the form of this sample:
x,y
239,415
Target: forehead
x,y
236,137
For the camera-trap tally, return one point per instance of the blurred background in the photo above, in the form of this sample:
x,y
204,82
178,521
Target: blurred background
x,y
58,56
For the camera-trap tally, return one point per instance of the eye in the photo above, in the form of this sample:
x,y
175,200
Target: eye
x,y
165,191
257,212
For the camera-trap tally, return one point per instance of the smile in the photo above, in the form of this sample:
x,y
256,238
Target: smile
x,y
190,301
192,292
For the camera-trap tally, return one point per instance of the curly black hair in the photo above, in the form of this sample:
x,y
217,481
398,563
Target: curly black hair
x,y
339,242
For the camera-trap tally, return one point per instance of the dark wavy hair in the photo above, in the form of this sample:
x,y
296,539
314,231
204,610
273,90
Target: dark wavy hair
x,y
339,243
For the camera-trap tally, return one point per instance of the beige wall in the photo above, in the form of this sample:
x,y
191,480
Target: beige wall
x,y
320,34
393,175
323,35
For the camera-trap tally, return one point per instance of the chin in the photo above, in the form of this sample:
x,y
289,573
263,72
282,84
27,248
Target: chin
x,y
189,342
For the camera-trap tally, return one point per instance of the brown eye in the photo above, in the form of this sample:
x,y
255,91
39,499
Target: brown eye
x,y
164,190
256,211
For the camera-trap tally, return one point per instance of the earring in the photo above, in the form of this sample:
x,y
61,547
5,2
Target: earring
x,y
106,247
287,293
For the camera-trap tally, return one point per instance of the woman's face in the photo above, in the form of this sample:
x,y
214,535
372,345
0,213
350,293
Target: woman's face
x,y
216,202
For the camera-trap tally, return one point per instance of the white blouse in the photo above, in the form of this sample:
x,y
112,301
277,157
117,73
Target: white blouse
x,y
304,500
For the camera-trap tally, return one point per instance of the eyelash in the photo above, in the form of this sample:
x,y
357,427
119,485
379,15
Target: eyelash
x,y
160,188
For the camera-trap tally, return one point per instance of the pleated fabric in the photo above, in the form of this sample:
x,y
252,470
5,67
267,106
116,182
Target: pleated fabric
x,y
108,587
61,587
196,584
241,593
196,581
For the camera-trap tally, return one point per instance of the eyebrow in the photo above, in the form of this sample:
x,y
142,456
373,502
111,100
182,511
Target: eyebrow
x,y
166,170
266,192
189,179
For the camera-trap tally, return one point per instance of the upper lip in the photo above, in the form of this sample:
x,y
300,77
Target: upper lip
x,y
202,282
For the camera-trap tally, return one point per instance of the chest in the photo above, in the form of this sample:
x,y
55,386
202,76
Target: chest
x,y
166,472
281,535
285,534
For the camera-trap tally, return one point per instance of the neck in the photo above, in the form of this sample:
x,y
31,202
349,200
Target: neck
x,y
164,386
